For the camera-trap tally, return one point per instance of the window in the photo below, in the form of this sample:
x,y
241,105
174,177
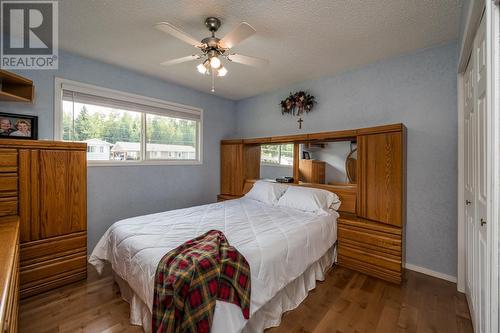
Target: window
x,y
126,127
166,135
277,154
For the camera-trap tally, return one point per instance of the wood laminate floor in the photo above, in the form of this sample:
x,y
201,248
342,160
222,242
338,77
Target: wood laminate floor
x,y
345,302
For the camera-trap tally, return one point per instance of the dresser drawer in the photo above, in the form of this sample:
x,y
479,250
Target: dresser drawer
x,y
370,269
8,206
46,249
8,160
363,254
372,240
46,271
371,248
8,185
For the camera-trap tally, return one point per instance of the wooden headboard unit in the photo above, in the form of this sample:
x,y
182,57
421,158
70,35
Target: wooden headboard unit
x,y
373,211
346,193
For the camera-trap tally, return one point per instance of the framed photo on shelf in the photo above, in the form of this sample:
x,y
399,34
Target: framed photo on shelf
x,y
18,126
305,155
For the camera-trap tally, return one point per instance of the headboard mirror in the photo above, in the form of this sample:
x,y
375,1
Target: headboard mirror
x,y
328,162
276,160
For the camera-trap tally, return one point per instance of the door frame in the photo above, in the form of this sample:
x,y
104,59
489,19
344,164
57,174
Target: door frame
x,y
492,16
473,20
493,103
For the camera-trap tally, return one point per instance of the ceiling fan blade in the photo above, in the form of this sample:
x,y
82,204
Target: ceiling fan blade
x,y
240,33
181,60
177,33
247,60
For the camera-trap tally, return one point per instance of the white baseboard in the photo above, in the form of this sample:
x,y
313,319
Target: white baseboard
x,y
430,272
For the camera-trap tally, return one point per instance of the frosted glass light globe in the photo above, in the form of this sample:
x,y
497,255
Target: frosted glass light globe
x,y
215,62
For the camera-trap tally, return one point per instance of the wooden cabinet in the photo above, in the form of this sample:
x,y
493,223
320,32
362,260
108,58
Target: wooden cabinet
x,y
62,183
312,171
372,241
232,175
380,174
238,162
50,196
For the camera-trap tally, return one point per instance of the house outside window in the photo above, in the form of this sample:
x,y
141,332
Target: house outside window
x,y
277,154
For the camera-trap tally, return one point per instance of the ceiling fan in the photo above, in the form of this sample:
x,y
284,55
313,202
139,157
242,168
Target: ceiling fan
x,y
213,49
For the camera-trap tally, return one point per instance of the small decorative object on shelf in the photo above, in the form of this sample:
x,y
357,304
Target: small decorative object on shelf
x,y
287,180
16,126
298,103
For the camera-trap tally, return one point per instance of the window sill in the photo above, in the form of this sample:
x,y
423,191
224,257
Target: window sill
x,y
277,165
141,163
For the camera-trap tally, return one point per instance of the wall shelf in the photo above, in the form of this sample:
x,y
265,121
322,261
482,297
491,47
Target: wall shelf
x,y
15,88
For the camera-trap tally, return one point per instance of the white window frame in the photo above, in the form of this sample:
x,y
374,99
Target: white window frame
x,y
133,98
279,157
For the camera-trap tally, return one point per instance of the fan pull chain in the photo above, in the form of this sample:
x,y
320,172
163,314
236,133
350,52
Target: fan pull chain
x,y
213,81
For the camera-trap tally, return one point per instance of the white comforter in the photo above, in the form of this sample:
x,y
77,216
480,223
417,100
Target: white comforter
x,y
279,245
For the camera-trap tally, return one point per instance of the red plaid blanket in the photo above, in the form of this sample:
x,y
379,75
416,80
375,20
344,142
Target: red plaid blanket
x,y
190,278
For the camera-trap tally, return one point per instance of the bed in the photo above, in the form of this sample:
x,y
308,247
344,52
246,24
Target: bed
x,y
288,250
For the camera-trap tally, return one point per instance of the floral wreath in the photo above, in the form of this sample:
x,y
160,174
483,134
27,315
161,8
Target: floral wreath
x,y
296,104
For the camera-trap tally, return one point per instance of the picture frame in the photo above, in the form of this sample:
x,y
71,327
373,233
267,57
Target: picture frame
x,y
306,155
18,126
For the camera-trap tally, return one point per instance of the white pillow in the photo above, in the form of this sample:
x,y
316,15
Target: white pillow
x,y
266,192
309,199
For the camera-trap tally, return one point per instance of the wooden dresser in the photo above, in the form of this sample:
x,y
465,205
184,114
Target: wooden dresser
x,y
9,273
312,171
44,183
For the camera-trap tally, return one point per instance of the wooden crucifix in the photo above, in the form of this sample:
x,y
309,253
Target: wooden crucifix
x,y
300,123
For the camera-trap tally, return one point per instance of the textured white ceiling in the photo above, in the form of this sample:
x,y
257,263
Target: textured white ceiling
x,y
302,39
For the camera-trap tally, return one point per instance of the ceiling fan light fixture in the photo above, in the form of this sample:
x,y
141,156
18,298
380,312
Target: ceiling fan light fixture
x,y
201,69
213,50
215,62
204,68
222,71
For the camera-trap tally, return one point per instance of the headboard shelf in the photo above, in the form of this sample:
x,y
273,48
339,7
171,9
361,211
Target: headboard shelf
x,y
341,135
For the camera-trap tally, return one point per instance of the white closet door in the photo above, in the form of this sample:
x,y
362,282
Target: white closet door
x,y
470,186
475,184
479,53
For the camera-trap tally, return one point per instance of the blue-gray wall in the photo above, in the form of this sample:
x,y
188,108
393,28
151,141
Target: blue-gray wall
x,y
464,16
419,90
118,192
